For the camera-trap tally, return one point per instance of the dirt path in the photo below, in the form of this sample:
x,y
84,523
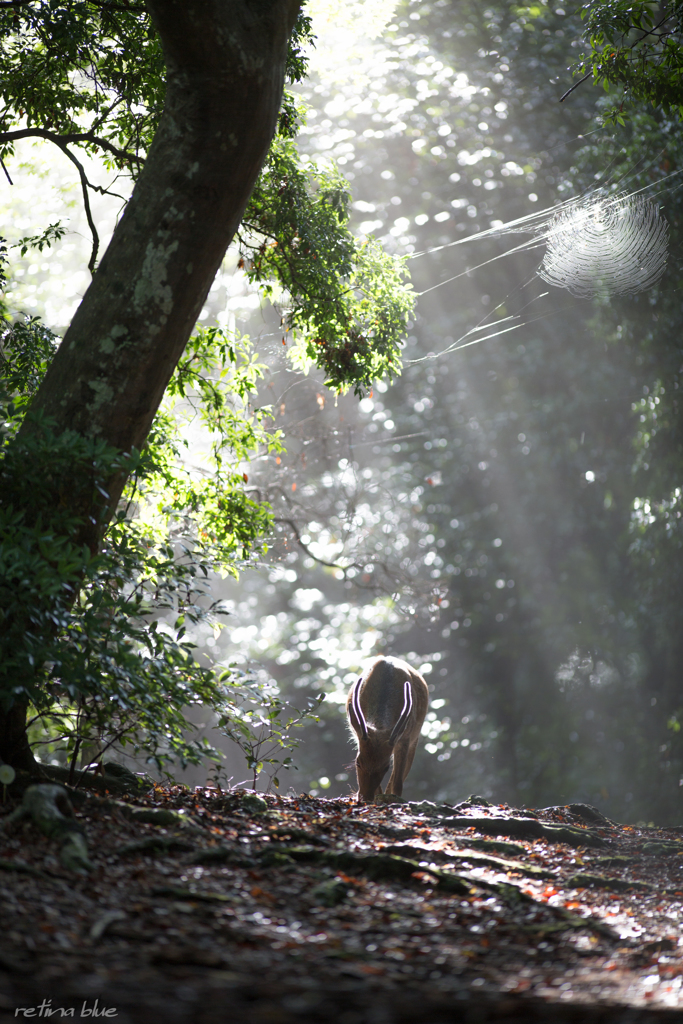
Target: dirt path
x,y
212,906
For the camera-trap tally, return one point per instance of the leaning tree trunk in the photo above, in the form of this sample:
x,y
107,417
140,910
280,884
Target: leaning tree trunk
x,y
225,73
225,64
14,745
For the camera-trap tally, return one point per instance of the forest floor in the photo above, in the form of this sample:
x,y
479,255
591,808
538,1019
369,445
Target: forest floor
x,y
213,906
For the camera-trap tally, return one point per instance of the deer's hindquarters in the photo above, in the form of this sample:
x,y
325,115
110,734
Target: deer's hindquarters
x,y
386,709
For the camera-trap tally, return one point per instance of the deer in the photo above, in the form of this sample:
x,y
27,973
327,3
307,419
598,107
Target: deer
x,y
386,707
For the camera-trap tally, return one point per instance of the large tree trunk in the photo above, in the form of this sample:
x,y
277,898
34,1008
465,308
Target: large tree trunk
x,y
225,62
225,74
14,747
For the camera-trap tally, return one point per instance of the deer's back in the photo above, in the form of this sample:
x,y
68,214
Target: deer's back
x,y
381,694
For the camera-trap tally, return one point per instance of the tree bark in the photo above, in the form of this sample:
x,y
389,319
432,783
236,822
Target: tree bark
x,y
225,74
225,64
14,746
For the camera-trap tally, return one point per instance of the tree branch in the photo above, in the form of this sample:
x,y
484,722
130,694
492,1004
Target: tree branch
x,y
85,184
648,32
575,86
59,140
101,4
321,561
653,31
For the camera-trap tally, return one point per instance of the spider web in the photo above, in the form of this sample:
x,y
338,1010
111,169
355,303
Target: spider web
x,y
616,245
597,245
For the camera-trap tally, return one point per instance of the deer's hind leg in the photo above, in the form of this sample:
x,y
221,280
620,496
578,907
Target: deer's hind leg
x,y
404,752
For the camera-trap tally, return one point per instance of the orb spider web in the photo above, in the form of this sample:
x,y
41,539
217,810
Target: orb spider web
x,y
606,245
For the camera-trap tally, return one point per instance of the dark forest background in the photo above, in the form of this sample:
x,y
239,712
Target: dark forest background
x,y
506,517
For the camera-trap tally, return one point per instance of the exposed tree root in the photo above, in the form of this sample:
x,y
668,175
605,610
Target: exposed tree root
x,y
662,849
165,817
50,809
116,779
527,828
155,844
177,893
21,869
495,846
225,855
389,867
382,867
582,880
285,832
586,812
475,858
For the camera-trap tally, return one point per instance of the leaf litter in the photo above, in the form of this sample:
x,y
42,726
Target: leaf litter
x,y
223,906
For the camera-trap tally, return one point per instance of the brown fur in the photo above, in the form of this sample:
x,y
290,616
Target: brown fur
x,y
381,695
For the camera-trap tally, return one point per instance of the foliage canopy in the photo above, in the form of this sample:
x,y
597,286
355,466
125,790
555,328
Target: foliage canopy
x,y
96,640
638,46
536,493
